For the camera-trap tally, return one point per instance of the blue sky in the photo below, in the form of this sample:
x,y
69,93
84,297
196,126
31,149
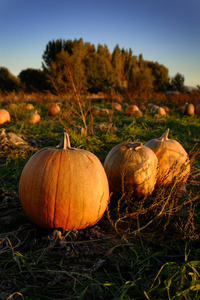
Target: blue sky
x,y
166,31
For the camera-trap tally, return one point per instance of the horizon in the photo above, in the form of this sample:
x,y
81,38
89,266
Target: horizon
x,y
166,32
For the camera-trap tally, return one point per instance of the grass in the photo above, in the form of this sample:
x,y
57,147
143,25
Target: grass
x,y
138,250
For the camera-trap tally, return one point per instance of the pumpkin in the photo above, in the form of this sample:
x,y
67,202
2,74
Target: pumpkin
x,y
64,187
4,116
104,112
198,108
53,109
190,109
28,106
161,111
173,160
130,109
94,110
166,108
131,168
116,106
33,118
137,113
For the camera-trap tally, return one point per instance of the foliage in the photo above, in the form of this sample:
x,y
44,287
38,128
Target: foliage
x,y
177,82
34,80
100,69
8,82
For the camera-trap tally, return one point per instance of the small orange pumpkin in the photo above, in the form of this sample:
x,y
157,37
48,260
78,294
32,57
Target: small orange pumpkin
x,y
137,113
190,109
4,116
116,106
53,109
173,160
130,109
131,168
94,110
33,118
64,187
28,106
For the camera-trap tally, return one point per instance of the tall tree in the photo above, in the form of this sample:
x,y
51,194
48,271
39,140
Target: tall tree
x,y
177,82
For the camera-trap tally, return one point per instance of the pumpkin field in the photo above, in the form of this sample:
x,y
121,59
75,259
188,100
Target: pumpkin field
x,y
99,197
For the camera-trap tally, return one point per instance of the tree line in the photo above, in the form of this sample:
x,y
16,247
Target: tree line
x,y
94,69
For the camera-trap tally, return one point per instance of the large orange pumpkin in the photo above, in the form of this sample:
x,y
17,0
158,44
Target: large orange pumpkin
x,y
4,116
131,168
64,187
173,160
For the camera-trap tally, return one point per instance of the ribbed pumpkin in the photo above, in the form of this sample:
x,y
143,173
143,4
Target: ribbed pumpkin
x,y
64,187
4,116
131,168
173,160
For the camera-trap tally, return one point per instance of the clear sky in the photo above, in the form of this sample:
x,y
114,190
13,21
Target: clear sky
x,y
166,31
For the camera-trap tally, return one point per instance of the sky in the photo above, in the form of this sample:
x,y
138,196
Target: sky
x,y
163,31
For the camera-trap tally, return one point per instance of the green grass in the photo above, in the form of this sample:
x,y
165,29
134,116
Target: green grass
x,y
159,260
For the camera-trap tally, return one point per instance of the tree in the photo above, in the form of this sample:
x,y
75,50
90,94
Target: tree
x,y
161,76
8,82
177,82
34,79
98,73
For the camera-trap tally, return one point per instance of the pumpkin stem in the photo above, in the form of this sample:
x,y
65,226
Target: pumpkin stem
x,y
135,145
65,143
164,137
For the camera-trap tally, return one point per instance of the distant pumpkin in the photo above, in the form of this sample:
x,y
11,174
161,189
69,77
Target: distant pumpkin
x,y
137,113
116,106
4,116
190,109
64,187
130,109
53,109
94,110
33,118
173,160
28,106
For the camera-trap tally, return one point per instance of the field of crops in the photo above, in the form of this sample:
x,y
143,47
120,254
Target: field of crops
x,y
140,249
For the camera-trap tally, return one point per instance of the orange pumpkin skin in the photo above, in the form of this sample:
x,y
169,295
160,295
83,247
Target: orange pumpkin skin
x,y
137,113
130,109
64,188
33,118
4,116
131,168
28,106
173,160
53,109
190,109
